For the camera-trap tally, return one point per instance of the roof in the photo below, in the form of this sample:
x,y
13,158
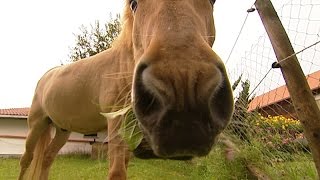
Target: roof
x,y
281,93
14,112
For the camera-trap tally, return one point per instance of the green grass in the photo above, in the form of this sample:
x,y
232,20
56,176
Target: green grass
x,y
211,167
214,166
301,167
77,167
9,168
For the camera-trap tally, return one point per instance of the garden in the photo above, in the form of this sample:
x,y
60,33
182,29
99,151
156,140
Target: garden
x,y
273,149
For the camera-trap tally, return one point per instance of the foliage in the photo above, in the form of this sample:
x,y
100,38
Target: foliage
x,y
95,40
278,133
279,123
236,83
239,124
268,141
129,129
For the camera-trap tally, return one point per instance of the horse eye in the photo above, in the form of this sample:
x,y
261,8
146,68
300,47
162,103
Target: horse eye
x,y
212,2
133,5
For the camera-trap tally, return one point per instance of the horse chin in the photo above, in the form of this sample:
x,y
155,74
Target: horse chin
x,y
177,135
144,151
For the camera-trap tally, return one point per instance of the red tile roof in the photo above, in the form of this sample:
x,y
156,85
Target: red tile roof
x,y
281,93
14,112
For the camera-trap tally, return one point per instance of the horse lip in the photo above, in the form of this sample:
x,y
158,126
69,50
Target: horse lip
x,y
158,121
194,138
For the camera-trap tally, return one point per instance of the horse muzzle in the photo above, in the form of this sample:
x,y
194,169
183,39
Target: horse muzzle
x,y
177,124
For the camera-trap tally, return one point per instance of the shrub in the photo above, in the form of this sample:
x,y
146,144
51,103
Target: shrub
x,y
278,133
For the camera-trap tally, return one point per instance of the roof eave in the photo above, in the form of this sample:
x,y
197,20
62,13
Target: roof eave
x,y
14,116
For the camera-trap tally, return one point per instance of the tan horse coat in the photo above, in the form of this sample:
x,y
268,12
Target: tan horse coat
x,y
181,93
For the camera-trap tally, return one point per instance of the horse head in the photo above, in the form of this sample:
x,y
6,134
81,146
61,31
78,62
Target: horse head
x,y
181,93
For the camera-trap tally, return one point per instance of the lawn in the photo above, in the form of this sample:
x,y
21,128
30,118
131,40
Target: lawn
x,y
214,166
76,167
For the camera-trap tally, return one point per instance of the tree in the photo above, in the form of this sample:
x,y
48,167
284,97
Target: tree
x,y
95,40
236,83
239,124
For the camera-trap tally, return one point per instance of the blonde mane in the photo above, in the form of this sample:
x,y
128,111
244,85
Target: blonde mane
x,y
125,37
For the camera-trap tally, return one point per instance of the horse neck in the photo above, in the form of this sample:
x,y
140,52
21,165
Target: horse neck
x,y
121,68
120,78
123,55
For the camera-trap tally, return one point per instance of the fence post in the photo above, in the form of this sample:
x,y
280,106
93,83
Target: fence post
x,y
301,95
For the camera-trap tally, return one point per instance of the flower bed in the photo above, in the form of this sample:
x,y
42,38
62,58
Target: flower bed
x,y
278,133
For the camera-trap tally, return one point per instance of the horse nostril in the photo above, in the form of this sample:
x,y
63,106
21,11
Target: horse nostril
x,y
145,102
141,67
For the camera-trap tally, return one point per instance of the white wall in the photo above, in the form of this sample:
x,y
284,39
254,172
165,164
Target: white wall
x,y
17,129
11,146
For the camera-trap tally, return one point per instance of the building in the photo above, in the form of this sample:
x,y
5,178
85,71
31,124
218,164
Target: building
x,y
278,102
14,129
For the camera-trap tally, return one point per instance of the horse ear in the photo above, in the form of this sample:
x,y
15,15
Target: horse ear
x,y
120,112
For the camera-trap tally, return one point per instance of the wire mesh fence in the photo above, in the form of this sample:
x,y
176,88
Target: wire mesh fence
x,y
265,126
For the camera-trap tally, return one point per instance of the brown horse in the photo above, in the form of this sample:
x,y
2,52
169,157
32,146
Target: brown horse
x,y
163,59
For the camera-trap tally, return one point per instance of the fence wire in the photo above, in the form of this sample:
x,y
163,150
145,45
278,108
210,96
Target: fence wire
x,y
265,123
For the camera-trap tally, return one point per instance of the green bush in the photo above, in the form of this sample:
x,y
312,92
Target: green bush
x,y
278,133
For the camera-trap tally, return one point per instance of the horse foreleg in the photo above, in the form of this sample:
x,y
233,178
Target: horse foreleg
x,y
117,152
52,150
36,130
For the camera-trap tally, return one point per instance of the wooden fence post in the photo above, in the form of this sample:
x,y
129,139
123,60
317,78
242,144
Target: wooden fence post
x,y
301,95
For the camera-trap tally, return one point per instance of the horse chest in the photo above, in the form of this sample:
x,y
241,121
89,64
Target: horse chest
x,y
81,123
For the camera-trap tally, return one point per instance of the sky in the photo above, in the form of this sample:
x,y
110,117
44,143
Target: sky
x,y
36,35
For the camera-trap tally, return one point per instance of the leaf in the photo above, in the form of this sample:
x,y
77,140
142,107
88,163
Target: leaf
x,y
120,112
129,129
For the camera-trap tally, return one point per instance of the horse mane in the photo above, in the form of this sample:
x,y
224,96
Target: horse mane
x,y
125,36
